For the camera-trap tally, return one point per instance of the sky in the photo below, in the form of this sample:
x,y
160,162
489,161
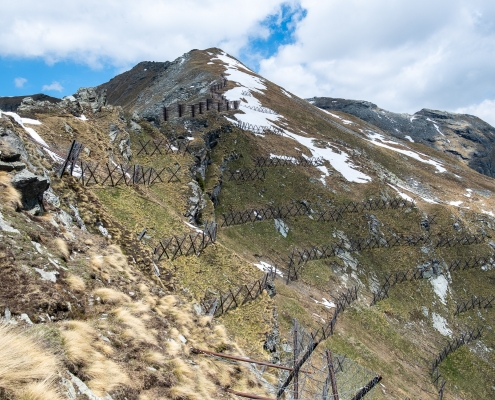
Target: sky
x,y
401,55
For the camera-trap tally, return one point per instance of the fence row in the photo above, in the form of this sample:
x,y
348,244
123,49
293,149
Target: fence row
x,y
345,299
242,175
220,303
453,345
412,274
260,109
253,215
259,129
474,302
298,257
163,146
283,161
186,245
335,214
184,110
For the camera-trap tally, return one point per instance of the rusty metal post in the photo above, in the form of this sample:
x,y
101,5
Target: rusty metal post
x,y
295,352
331,375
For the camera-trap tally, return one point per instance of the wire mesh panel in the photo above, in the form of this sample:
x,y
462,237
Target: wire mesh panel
x,y
324,375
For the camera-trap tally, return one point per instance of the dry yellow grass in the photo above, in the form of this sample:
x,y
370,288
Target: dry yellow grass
x,y
62,248
9,196
135,327
76,283
82,347
111,296
25,368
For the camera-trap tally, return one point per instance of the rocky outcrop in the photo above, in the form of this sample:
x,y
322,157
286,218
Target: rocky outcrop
x,y
32,188
13,103
466,137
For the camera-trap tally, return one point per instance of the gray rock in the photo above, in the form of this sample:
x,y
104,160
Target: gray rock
x,y
125,149
8,153
135,127
114,132
281,227
7,314
4,226
51,198
32,188
68,129
12,166
465,137
25,318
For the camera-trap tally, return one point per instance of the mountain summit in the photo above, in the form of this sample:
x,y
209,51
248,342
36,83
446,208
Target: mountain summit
x,y
191,230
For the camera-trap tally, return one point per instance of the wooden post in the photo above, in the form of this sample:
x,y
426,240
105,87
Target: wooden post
x,y
295,352
219,106
193,107
201,107
180,110
208,104
165,114
331,375
367,388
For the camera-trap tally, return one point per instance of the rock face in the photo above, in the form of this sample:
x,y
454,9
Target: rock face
x,y
466,137
32,188
147,88
13,103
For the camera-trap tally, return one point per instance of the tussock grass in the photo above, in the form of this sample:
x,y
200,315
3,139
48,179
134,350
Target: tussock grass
x,y
25,369
9,196
111,296
84,350
62,248
76,283
135,327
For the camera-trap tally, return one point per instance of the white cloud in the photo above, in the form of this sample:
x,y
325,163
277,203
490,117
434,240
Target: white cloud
x,y
52,87
19,82
484,110
403,56
122,33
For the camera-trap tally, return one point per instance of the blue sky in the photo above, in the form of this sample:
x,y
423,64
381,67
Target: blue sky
x,y
31,75
402,56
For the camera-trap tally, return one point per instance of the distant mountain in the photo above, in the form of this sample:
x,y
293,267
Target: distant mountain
x,y
12,103
464,136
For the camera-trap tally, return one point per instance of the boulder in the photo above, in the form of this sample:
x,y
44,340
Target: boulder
x,y
8,153
32,188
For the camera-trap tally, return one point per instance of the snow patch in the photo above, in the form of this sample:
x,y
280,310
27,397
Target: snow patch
x,y
265,267
30,131
440,324
325,302
401,194
47,275
469,191
409,138
441,287
339,161
82,117
379,140
287,94
455,203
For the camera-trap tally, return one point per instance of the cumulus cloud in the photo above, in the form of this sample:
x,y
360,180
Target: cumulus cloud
x,y
52,87
484,110
19,82
404,56
122,33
